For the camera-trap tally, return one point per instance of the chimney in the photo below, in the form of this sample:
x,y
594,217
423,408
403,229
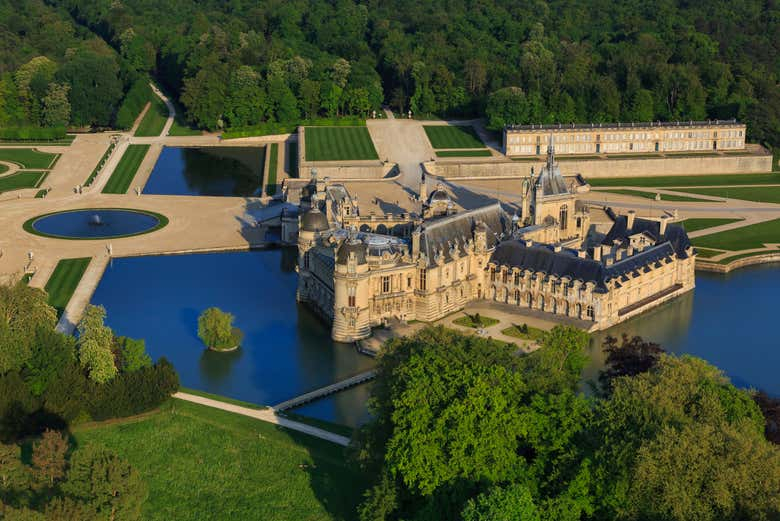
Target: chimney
x,y
416,242
581,254
557,248
529,243
630,251
597,253
664,222
618,254
631,217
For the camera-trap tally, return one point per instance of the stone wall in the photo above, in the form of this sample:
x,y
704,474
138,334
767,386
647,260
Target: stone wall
x,y
600,168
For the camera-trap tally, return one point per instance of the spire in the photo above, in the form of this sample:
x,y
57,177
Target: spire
x,y
550,154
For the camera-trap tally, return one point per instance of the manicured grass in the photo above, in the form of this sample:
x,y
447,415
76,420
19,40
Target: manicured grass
x,y
692,225
3,169
272,127
125,171
651,195
23,179
40,194
28,158
273,166
762,194
689,180
206,464
292,157
519,331
64,280
453,136
339,143
66,141
745,238
154,119
463,153
707,253
475,321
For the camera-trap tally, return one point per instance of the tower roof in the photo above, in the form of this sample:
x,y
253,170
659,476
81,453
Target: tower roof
x,y
550,181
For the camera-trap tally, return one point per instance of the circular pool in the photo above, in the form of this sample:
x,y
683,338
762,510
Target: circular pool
x,y
95,223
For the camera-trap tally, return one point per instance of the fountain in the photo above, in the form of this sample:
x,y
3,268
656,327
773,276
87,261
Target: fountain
x,y
95,220
95,223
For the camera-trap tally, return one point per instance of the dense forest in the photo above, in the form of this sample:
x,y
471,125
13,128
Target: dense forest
x,y
239,63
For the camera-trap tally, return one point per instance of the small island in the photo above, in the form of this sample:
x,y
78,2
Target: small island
x,y
215,329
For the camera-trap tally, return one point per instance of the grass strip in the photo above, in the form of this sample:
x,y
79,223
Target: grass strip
x,y
475,321
273,166
651,195
96,170
126,169
760,194
453,136
524,332
29,158
692,225
204,463
463,153
339,144
689,180
64,280
292,155
154,119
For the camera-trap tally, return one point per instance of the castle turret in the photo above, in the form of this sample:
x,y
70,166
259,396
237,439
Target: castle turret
x,y
351,317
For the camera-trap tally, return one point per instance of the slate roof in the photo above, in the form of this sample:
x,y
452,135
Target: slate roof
x,y
675,233
443,233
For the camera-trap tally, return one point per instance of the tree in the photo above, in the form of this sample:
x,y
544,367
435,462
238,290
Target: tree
x,y
513,503
131,354
770,408
56,107
310,98
246,102
48,457
23,311
632,357
215,329
99,478
95,345
13,475
95,87
476,76
506,106
204,96
558,364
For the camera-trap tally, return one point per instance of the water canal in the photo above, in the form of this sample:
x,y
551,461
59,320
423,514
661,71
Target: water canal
x,y
215,171
288,351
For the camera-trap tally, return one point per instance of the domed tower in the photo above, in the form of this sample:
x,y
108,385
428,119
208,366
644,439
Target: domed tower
x,y
312,223
439,203
350,292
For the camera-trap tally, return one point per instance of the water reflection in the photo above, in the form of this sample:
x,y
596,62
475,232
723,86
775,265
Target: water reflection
x,y
214,171
215,367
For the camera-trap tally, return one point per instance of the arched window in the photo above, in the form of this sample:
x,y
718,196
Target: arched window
x,y
517,296
564,216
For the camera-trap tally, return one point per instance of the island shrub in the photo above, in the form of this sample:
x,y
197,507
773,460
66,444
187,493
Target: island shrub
x,y
216,331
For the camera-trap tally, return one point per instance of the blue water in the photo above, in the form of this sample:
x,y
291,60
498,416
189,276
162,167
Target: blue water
x,y
214,171
727,320
95,224
286,349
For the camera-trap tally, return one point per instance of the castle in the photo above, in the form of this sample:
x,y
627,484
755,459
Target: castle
x,y
360,271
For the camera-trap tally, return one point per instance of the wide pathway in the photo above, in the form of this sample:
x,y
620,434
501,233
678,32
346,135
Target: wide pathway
x,y
266,415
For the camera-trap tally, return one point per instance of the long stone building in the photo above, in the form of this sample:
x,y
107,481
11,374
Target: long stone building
x,y
625,138
361,271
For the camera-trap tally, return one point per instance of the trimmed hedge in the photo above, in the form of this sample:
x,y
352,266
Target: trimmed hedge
x,y
100,164
32,133
135,100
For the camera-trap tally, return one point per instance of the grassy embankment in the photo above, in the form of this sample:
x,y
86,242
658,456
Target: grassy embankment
x,y
126,169
64,280
455,141
339,144
203,463
271,128
154,119
745,238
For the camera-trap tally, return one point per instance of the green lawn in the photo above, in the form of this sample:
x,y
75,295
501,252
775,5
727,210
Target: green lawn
x,y
762,194
28,158
475,321
154,119
66,141
519,331
651,195
273,166
692,225
707,253
63,281
125,171
463,153
3,169
23,179
292,157
206,464
689,180
745,238
220,398
453,136
339,143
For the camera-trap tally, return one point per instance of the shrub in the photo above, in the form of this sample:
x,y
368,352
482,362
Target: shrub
x,y
215,329
32,133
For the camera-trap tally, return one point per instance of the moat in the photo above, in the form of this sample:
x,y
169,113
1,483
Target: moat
x,y
287,350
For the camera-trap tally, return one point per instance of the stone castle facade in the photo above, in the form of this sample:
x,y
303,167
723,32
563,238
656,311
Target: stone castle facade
x,y
625,138
359,272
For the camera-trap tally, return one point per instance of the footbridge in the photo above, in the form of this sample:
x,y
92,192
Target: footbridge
x,y
325,391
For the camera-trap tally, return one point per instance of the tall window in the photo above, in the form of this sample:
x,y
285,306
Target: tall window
x,y
386,284
421,280
351,297
492,274
564,216
589,312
